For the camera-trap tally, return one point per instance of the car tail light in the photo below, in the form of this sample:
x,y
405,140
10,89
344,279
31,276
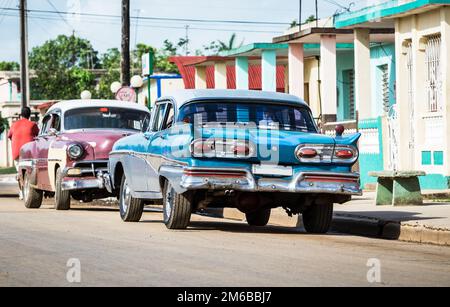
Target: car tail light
x,y
315,153
307,153
346,154
218,148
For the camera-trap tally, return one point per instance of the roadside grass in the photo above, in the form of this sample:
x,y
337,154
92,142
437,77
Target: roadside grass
x,y
8,171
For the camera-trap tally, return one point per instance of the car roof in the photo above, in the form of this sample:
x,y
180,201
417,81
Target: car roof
x,y
65,106
183,97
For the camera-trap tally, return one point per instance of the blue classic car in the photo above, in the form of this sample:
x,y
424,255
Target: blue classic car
x,y
253,151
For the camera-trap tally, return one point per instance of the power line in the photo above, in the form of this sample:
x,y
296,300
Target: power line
x,y
62,17
159,18
6,3
156,26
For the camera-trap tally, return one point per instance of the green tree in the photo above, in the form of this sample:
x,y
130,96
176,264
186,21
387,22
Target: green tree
x,y
310,19
110,61
4,124
231,44
9,66
294,24
63,68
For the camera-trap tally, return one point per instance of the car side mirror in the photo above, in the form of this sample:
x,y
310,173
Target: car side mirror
x,y
52,132
148,135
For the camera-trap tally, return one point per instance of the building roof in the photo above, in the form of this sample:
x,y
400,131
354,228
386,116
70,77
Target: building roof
x,y
254,72
390,9
256,49
184,96
343,36
75,104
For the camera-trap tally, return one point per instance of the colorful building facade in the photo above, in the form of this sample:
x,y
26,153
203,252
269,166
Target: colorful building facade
x,y
418,123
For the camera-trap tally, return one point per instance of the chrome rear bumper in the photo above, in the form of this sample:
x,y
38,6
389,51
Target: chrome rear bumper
x,y
184,179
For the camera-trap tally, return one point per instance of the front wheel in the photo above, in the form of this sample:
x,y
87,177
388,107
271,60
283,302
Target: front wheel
x,y
317,219
131,209
177,208
258,218
62,198
31,196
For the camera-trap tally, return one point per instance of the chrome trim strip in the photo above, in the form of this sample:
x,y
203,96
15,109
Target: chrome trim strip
x,y
139,155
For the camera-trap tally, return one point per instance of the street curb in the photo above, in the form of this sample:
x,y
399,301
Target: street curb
x,y
363,226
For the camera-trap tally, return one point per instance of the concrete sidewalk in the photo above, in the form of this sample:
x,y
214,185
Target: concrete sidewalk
x,y
428,224
8,185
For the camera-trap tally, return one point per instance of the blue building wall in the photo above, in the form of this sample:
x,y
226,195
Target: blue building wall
x,y
382,56
345,62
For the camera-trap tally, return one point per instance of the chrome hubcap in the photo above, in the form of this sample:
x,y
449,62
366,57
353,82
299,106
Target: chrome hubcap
x,y
169,200
125,197
26,188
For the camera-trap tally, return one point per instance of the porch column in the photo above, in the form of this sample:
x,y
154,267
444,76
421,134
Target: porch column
x,y
269,70
200,77
328,76
220,75
242,73
296,70
363,82
445,58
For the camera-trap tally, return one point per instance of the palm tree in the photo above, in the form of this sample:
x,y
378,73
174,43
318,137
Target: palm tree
x,y
230,45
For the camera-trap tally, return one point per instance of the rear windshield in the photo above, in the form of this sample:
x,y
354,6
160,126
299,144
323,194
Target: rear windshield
x,y
263,115
105,118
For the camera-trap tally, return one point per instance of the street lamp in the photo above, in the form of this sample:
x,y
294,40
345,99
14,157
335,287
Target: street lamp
x,y
137,82
115,87
86,95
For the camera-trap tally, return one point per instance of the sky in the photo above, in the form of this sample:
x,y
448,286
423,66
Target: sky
x,y
105,33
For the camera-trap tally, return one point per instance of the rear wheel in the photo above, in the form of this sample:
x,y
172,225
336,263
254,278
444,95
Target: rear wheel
x,y
31,196
62,198
258,218
317,219
131,209
177,208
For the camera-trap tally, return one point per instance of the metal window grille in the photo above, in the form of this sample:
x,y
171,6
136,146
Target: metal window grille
x,y
351,93
385,87
434,73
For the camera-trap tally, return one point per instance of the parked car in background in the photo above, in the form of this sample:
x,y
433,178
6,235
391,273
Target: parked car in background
x,y
70,156
253,151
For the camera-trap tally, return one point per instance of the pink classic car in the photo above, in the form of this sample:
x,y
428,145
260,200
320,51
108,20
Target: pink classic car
x,y
70,156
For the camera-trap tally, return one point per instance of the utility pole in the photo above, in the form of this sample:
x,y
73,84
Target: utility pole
x,y
125,63
300,13
317,14
24,75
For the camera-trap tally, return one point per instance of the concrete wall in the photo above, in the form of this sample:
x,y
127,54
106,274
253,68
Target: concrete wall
x,y
8,91
429,130
167,86
311,79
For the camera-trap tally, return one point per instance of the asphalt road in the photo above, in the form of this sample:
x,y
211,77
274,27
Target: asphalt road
x,y
36,245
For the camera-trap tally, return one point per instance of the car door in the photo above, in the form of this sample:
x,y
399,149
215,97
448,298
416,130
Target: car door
x,y
57,154
142,167
42,146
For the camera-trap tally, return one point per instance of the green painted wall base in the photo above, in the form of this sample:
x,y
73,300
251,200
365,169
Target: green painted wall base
x,y
435,182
